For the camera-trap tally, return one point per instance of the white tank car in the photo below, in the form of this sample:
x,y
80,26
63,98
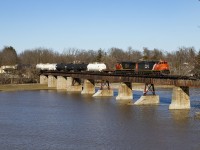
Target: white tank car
x,y
96,67
46,66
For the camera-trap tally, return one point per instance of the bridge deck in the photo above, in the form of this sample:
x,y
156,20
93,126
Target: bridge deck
x,y
160,80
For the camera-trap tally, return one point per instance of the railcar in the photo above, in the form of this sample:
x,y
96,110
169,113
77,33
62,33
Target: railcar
x,y
60,67
71,67
46,67
80,67
96,67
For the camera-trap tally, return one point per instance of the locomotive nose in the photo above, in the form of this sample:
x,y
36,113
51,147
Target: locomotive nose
x,y
118,66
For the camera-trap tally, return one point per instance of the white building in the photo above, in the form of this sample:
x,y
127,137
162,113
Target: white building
x,y
4,69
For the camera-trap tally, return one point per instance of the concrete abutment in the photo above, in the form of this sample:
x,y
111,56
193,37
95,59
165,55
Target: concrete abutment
x,y
73,85
104,90
43,79
148,100
88,87
61,83
180,98
125,91
52,81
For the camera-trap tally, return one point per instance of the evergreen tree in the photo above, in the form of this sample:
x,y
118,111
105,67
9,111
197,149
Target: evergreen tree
x,y
99,56
9,56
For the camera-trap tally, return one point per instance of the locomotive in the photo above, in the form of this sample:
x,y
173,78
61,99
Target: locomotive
x,y
142,67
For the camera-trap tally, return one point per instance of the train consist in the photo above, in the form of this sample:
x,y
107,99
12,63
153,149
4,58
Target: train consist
x,y
128,67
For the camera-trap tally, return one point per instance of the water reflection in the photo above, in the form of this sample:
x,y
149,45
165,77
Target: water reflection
x,y
180,116
62,120
124,102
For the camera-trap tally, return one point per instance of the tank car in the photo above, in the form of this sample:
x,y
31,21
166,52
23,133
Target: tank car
x,y
60,67
44,67
76,67
96,67
71,67
64,67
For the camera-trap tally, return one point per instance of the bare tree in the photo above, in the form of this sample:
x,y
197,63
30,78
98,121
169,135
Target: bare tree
x,y
146,53
196,69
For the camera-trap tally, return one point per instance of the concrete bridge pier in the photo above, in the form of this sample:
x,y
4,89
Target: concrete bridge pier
x,y
74,84
104,90
148,99
180,98
52,81
125,91
61,83
43,79
88,87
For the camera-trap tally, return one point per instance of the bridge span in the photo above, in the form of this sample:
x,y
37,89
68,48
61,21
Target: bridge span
x,y
84,82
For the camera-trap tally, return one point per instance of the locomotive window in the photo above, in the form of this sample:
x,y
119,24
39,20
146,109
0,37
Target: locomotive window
x,y
126,66
146,66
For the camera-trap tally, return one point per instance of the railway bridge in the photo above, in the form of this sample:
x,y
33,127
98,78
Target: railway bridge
x,y
84,82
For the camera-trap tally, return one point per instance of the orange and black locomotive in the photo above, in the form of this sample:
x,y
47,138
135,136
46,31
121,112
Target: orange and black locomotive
x,y
143,67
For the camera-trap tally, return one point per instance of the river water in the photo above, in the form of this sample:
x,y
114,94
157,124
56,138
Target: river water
x,y
52,120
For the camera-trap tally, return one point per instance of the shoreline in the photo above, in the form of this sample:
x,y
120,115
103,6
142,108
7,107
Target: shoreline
x,y
24,87
37,86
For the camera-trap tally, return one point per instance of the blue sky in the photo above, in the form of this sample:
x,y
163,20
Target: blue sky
x,y
94,24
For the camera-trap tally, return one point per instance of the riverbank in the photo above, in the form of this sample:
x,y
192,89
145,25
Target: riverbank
x,y
22,87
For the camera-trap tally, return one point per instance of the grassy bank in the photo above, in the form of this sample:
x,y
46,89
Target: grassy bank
x,y
16,87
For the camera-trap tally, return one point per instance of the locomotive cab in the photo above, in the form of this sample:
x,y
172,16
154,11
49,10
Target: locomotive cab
x,y
125,65
162,66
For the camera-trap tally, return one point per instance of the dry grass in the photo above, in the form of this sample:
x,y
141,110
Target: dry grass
x,y
16,87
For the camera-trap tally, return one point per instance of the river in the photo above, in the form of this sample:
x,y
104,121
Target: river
x,y
53,120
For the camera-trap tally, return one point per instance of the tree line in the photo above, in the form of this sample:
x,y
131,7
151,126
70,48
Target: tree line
x,y
184,61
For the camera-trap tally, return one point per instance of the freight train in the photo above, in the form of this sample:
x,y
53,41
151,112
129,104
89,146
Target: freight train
x,y
124,67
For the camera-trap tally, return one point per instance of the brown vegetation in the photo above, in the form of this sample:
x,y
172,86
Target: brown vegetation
x,y
184,61
14,87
